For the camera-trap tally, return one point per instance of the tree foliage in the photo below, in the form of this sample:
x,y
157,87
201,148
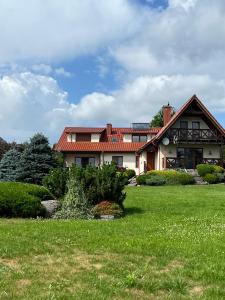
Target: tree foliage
x,y
4,147
36,160
157,120
9,165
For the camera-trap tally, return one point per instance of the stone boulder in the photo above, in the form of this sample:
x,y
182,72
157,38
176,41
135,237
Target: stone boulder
x,y
50,206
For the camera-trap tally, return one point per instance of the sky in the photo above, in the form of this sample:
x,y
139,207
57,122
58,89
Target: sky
x,y
90,62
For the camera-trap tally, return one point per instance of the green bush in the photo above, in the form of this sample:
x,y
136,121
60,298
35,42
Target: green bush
x,y
75,204
210,178
56,181
22,200
101,183
155,180
129,173
220,177
173,177
186,179
204,169
218,169
141,179
107,208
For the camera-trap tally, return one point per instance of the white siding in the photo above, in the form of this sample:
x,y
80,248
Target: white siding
x,y
95,137
129,160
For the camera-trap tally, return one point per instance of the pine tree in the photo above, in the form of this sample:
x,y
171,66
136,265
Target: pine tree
x,y
75,204
9,165
36,160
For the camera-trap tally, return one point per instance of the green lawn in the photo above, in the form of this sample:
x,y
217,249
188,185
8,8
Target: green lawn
x,y
171,245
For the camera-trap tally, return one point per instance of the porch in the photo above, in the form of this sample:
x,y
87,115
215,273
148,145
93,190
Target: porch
x,y
185,163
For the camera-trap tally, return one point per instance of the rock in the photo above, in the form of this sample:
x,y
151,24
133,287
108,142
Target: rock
x,y
50,206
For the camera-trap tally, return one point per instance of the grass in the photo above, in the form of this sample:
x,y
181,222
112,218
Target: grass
x,y
171,245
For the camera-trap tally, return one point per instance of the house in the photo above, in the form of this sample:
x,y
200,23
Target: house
x,y
189,137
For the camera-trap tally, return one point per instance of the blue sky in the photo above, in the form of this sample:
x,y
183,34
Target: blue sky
x,y
94,61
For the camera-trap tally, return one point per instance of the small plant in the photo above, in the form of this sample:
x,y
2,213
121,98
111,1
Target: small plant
x,y
107,208
211,178
218,169
186,179
74,204
129,173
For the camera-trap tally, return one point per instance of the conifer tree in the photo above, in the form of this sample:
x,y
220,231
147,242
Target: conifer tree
x,y
9,165
75,204
36,160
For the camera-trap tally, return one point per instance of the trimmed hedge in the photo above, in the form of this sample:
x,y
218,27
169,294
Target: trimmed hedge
x,y
22,200
170,177
204,169
155,180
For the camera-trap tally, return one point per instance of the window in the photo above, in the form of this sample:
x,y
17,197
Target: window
x,y
84,161
139,138
137,162
184,124
195,125
83,137
78,161
118,160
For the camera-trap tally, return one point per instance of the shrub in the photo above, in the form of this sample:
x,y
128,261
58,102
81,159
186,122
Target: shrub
x,y
204,169
56,181
141,179
22,200
173,177
220,177
218,169
186,179
155,180
107,208
74,204
211,178
101,183
129,173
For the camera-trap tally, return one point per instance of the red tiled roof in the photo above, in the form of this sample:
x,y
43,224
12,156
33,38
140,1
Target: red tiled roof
x,y
84,129
64,146
98,147
178,114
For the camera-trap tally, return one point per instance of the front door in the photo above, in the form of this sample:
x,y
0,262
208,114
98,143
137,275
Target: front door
x,y
150,161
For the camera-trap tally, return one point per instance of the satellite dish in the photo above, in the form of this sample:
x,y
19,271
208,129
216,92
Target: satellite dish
x,y
165,141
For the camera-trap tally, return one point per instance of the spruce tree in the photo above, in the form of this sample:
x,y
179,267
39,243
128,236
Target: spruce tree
x,y
9,165
36,160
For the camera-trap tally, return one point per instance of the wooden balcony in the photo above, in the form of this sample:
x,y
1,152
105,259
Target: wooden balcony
x,y
181,163
179,135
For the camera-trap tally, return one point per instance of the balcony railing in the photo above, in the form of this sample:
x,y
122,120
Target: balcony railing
x,y
194,135
176,163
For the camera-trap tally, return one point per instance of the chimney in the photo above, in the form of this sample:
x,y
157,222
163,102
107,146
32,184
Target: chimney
x,y
167,113
109,129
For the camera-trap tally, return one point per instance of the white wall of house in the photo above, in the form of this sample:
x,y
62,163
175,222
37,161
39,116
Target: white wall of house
x,y
190,119
95,137
129,159
209,151
69,158
142,161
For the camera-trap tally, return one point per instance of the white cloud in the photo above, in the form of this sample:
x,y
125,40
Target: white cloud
x,y
186,38
34,103
62,72
59,30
